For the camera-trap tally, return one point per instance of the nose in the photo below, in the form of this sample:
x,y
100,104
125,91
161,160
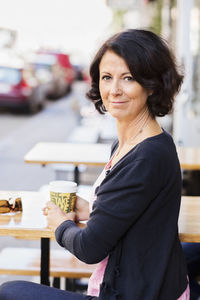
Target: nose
x,y
115,88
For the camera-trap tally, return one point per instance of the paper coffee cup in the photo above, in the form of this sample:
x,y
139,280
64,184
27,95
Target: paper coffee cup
x,y
63,194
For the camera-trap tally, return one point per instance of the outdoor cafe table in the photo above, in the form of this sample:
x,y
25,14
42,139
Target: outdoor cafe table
x,y
189,219
95,154
189,157
29,224
68,153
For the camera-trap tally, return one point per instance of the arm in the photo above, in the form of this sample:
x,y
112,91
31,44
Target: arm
x,y
121,199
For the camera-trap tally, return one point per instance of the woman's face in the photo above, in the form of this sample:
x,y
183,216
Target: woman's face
x,y
123,97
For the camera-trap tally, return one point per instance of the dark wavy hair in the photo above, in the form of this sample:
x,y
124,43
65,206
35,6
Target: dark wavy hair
x,y
151,64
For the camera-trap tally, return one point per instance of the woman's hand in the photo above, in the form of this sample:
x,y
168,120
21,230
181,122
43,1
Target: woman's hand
x,y
55,215
82,209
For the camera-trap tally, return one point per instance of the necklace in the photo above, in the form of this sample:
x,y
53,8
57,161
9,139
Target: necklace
x,y
144,124
140,130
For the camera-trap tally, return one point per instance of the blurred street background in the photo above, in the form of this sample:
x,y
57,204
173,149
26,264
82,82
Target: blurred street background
x,y
45,51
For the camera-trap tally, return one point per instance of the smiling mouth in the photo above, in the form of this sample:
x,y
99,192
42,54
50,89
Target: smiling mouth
x,y
118,102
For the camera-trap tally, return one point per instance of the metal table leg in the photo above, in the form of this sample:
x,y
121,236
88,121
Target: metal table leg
x,y
44,263
76,175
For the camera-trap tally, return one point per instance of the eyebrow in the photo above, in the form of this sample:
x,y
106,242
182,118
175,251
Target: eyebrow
x,y
110,73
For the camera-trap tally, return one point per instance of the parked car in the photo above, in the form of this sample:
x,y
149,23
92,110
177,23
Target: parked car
x,y
18,89
56,69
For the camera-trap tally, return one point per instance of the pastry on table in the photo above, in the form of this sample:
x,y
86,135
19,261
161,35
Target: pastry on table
x,y
10,205
4,206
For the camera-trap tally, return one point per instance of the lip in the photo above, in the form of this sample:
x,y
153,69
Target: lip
x,y
118,102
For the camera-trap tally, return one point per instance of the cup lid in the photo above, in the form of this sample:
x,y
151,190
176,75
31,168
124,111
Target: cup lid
x,y
63,186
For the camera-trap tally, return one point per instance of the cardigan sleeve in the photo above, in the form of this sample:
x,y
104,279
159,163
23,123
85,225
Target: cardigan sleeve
x,y
122,198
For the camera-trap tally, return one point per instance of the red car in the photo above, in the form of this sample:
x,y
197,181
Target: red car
x,y
17,91
62,72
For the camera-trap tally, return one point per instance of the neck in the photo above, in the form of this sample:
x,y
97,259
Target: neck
x,y
129,131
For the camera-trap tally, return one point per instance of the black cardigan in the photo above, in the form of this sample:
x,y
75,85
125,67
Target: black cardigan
x,y
134,221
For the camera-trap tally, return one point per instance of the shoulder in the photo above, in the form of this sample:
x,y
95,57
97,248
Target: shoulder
x,y
155,155
156,148
146,167
157,152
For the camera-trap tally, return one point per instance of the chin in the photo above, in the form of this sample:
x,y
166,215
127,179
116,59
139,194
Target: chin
x,y
118,116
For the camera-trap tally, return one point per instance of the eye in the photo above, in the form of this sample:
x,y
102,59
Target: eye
x,y
106,77
128,78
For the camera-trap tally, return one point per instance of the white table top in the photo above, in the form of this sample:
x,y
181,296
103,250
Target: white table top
x,y
95,154
88,154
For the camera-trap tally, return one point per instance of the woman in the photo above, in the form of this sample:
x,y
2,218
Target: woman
x,y
132,229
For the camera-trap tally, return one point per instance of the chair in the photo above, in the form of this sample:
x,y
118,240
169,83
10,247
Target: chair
x,y
26,261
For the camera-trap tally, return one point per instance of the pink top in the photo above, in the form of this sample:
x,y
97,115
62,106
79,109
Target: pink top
x,y
98,274
186,294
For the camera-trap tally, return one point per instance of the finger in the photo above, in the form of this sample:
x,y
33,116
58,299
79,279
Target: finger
x,y
45,211
50,204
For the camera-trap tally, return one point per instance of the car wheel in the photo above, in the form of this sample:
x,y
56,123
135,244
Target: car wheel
x,y
68,89
33,107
